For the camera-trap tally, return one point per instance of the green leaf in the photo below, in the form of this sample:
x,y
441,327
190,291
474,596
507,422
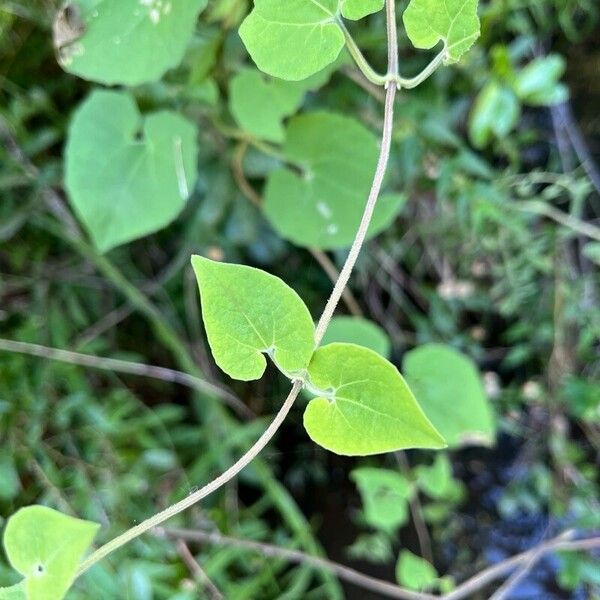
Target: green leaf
x,y
14,592
357,9
321,206
260,106
495,113
248,313
448,386
130,41
437,480
538,82
46,547
359,331
122,187
414,572
365,406
592,251
454,22
385,495
293,39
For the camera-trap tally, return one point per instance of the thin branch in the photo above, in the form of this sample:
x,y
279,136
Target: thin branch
x,y
541,208
196,570
331,270
485,577
416,511
295,556
129,367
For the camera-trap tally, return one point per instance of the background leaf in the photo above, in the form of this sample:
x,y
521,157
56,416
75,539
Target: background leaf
x,y
122,187
359,331
385,495
367,409
248,313
448,386
414,572
322,205
130,41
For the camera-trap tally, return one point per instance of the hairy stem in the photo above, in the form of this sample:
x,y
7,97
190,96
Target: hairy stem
x,y
359,240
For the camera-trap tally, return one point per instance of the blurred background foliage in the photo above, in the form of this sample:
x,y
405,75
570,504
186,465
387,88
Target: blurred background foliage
x,y
495,252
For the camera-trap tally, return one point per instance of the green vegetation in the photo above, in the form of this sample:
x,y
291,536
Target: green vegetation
x,y
151,446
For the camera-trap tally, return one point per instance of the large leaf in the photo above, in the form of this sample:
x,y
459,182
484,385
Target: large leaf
x,y
293,39
385,495
448,386
364,405
130,41
127,177
360,331
46,547
248,313
454,22
323,204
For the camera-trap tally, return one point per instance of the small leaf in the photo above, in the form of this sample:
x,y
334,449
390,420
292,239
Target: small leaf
x,y
358,9
538,82
323,204
128,41
294,39
122,187
455,22
365,407
495,113
359,331
592,251
14,592
414,572
248,313
46,547
437,480
385,494
260,106
448,386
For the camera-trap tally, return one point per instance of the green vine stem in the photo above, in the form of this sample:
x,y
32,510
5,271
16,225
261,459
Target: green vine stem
x,y
330,307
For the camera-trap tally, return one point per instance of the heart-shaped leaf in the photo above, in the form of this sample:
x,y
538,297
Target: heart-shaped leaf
x,y
365,406
128,41
385,495
357,9
46,547
454,22
359,331
248,313
127,177
259,104
448,386
323,204
293,39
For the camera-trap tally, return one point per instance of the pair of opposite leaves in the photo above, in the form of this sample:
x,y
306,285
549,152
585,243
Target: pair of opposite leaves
x,y
363,405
